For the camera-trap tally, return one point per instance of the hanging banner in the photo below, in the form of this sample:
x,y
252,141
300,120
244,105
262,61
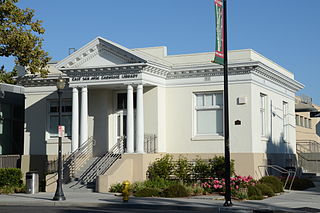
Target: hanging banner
x,y
219,54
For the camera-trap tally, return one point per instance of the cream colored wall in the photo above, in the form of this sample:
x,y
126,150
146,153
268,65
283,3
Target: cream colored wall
x,y
309,134
274,142
101,103
36,138
179,119
150,105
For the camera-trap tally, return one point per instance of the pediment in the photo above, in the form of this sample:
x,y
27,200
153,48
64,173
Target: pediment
x,y
100,52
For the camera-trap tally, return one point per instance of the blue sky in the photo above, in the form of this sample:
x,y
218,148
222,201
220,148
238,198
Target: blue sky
x,y
286,31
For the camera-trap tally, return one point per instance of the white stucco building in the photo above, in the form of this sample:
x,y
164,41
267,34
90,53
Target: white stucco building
x,y
114,91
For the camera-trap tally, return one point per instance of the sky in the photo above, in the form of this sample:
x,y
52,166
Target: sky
x,y
285,31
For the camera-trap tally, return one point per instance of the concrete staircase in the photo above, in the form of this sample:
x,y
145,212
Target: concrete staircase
x,y
309,156
83,176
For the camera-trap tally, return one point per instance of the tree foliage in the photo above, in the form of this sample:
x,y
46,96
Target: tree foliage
x,y
20,37
7,77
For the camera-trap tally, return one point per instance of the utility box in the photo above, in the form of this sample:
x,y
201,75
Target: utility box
x,y
32,181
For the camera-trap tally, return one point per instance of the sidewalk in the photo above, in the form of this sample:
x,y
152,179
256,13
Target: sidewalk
x,y
290,201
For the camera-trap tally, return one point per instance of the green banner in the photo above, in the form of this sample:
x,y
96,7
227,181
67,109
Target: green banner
x,y
219,54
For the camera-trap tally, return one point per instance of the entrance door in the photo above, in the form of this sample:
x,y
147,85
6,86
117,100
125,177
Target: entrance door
x,y
121,126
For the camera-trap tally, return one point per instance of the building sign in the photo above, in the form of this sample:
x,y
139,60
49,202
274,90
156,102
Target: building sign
x,y
105,77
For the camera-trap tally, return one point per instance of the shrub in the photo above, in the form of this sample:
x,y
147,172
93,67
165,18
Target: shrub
x,y
201,169
196,190
254,193
118,187
148,192
176,190
217,167
274,182
158,183
10,177
265,189
161,168
300,184
182,169
241,193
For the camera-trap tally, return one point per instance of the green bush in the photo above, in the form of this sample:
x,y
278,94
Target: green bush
x,y
148,192
265,189
176,190
201,169
10,177
274,182
217,167
240,194
182,169
118,187
254,193
161,168
300,184
158,183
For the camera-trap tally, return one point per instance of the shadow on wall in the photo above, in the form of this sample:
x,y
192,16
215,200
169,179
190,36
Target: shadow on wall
x,y
318,128
36,125
100,110
281,154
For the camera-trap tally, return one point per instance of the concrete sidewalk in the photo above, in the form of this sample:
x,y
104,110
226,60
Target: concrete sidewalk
x,y
289,201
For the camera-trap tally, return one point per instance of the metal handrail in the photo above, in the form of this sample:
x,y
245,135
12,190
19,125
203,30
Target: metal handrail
x,y
281,170
101,165
76,159
307,146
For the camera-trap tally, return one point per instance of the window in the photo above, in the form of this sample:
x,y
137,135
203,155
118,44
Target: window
x,y
301,121
208,113
263,115
122,101
285,121
297,120
309,123
66,118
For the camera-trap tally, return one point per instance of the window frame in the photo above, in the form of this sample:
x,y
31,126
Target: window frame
x,y
263,111
214,107
285,120
64,102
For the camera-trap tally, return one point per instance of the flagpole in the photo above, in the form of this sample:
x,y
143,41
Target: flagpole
x,y
226,110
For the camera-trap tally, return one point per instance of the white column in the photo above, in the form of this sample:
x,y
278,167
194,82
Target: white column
x,y
140,121
130,127
84,115
75,119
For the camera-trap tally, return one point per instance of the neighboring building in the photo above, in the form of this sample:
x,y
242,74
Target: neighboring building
x,y
11,124
308,134
114,92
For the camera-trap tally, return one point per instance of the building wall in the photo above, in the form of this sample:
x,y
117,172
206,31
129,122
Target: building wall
x,y
100,107
306,133
180,121
274,141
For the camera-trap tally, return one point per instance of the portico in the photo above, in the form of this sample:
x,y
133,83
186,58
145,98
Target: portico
x,y
134,139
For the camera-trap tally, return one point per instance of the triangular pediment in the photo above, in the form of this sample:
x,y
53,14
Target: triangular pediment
x,y
100,52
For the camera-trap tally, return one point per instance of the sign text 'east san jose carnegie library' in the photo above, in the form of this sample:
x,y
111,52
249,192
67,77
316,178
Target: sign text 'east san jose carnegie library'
x,y
105,77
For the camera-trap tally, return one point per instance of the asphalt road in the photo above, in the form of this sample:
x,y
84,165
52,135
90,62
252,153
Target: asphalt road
x,y
113,209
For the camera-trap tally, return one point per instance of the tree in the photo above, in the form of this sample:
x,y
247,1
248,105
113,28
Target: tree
x,y
7,77
20,38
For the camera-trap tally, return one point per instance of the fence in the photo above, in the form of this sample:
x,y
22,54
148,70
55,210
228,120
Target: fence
x,y
9,161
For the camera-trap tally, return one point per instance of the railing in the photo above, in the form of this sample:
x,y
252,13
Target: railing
x,y
290,173
307,146
9,161
309,155
150,143
101,165
74,161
